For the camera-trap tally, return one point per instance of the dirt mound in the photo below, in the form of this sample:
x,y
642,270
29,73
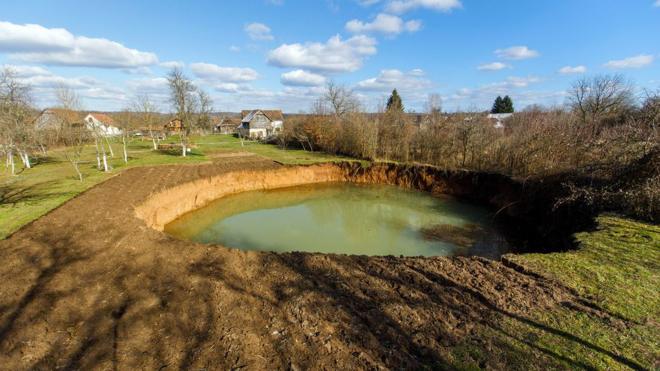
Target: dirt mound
x,y
92,286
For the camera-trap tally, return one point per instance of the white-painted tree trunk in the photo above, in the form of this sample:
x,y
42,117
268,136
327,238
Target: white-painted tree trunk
x,y
12,166
112,153
123,138
26,159
98,153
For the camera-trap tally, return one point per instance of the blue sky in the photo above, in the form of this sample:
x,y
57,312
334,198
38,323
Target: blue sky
x,y
280,53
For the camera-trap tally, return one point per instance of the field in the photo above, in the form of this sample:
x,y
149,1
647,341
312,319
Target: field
x,y
34,192
88,287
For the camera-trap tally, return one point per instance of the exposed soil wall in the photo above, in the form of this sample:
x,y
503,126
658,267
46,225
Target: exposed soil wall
x,y
526,209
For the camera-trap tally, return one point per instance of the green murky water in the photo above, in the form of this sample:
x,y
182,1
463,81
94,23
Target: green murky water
x,y
344,218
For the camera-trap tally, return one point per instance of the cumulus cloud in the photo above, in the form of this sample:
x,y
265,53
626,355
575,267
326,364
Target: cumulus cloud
x,y
383,23
302,78
495,66
57,46
568,70
214,73
517,53
638,61
335,55
258,31
657,3
395,79
172,64
402,6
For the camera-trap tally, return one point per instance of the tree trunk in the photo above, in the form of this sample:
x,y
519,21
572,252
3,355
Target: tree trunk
x,y
98,153
10,155
112,153
26,159
123,138
75,166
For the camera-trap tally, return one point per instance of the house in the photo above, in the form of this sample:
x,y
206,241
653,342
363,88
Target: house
x,y
499,118
174,126
55,118
102,124
260,123
226,125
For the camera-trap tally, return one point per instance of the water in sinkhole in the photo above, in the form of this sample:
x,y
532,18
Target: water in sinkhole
x,y
345,218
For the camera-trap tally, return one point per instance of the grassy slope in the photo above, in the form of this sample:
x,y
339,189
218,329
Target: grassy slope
x,y
52,181
617,267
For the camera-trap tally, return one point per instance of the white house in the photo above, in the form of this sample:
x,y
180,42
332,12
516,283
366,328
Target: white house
x,y
260,123
499,118
102,123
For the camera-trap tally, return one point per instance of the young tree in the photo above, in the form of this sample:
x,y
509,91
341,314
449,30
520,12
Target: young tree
x,y
394,103
15,119
147,116
183,98
74,132
205,108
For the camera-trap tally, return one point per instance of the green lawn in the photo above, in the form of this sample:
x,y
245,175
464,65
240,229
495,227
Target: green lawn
x,y
617,268
52,181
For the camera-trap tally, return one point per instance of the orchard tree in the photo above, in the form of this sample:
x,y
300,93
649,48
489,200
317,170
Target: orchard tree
x,y
183,97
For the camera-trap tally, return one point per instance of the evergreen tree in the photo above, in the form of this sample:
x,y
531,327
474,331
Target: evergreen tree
x,y
498,106
507,105
394,104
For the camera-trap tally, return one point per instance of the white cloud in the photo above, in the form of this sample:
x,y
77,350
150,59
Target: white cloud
x,y
383,23
26,71
57,46
568,70
638,61
172,64
657,3
517,53
214,73
234,49
30,37
302,78
395,79
335,55
519,82
402,6
258,31
495,66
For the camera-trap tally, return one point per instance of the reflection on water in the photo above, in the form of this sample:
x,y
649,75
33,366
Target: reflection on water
x,y
344,218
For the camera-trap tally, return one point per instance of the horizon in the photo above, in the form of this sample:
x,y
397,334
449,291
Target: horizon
x,y
255,55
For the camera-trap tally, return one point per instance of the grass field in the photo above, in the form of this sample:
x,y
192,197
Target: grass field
x,y
52,180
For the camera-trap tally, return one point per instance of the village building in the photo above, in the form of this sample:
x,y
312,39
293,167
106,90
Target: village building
x,y
260,123
226,125
55,118
174,126
102,124
499,118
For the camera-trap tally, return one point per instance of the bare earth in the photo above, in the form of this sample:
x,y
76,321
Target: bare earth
x,y
91,286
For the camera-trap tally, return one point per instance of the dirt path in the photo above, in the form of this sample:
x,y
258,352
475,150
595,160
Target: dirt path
x,y
91,286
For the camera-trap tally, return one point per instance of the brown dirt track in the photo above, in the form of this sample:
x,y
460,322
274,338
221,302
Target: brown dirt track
x,y
92,286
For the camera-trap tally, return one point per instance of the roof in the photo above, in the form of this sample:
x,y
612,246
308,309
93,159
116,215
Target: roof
x,y
65,114
273,115
103,118
499,116
229,121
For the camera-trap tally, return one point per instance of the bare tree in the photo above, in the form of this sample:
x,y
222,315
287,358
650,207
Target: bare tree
x,y
184,100
74,132
341,99
147,116
205,108
601,97
15,119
